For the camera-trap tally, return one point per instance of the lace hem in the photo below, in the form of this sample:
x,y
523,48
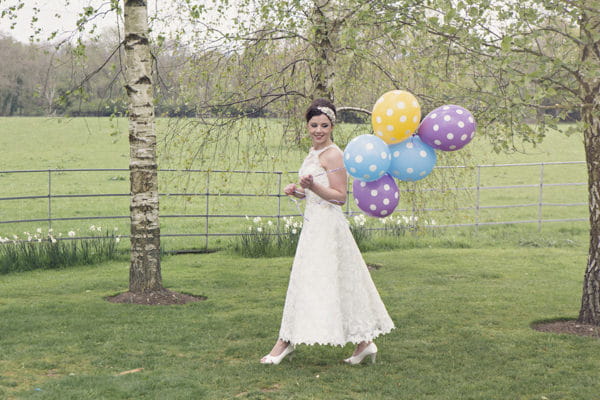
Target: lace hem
x,y
354,339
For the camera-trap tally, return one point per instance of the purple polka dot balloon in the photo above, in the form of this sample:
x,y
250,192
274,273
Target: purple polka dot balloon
x,y
448,128
377,198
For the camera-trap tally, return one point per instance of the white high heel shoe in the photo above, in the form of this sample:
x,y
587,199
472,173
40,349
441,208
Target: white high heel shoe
x,y
370,350
269,359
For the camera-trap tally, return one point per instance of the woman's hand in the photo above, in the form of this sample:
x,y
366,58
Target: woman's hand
x,y
306,181
293,190
290,189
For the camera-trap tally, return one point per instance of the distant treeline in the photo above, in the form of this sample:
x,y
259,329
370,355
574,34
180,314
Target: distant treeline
x,y
87,80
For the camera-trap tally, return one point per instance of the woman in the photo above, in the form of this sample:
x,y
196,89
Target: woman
x,y
331,298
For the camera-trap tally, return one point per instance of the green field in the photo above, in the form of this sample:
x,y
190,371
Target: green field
x,y
256,145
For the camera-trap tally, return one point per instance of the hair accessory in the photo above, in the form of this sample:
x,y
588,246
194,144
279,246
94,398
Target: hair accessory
x,y
329,112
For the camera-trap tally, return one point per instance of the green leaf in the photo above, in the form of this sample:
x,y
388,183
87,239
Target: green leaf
x,y
506,43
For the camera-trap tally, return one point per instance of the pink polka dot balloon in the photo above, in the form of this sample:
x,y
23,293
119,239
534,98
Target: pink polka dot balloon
x,y
448,128
377,198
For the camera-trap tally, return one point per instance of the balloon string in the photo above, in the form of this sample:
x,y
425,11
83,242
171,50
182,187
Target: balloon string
x,y
295,200
330,171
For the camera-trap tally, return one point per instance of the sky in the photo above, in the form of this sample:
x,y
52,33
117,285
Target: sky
x,y
49,22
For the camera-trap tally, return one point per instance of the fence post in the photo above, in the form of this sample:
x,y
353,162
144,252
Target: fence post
x,y
540,197
348,198
477,198
279,191
49,199
207,208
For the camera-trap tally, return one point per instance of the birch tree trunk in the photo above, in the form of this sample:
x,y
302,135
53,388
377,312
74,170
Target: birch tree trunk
x,y
590,301
590,93
324,28
144,273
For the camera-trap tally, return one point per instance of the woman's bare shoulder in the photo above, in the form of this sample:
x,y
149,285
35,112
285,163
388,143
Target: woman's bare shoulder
x,y
332,154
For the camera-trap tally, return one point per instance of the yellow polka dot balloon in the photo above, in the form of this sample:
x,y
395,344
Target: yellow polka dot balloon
x,y
396,115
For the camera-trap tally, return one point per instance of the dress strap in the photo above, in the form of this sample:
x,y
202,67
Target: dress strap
x,y
317,152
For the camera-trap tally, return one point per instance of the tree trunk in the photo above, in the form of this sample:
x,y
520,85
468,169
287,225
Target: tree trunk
x,y
590,34
324,63
144,272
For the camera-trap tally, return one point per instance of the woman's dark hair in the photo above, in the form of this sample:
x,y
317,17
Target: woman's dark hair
x,y
313,109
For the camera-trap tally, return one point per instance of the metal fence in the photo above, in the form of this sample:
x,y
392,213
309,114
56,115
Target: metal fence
x,y
40,187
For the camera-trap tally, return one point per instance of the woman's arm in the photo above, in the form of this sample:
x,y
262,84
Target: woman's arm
x,y
333,163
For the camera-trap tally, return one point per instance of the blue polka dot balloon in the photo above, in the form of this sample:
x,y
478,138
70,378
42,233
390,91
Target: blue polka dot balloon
x,y
412,159
367,157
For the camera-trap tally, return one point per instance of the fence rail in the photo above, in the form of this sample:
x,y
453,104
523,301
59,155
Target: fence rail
x,y
477,207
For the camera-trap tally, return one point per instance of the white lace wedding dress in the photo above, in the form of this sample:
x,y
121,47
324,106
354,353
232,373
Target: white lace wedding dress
x,y
331,298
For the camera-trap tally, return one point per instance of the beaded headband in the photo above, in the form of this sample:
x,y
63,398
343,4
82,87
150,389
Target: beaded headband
x,y
329,112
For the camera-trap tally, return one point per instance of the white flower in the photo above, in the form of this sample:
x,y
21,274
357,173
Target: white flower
x,y
247,218
250,228
71,233
259,229
93,228
50,230
30,237
99,228
15,237
256,220
117,239
115,229
270,223
359,219
294,231
52,239
39,230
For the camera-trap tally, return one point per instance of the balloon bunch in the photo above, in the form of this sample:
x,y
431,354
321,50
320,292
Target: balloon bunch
x,y
402,147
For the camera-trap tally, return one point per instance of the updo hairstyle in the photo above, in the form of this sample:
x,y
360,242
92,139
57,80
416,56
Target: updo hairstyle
x,y
321,107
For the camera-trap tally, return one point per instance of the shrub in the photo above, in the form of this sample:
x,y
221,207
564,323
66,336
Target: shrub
x,y
53,251
268,239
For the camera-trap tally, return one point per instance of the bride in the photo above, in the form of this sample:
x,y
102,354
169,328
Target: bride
x,y
331,298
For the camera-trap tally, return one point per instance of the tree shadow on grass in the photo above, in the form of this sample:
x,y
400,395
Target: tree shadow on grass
x,y
163,297
567,326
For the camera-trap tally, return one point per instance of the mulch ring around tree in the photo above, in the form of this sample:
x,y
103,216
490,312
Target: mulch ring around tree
x,y
163,297
568,327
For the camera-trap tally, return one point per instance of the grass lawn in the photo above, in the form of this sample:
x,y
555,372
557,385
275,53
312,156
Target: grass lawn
x,y
463,331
